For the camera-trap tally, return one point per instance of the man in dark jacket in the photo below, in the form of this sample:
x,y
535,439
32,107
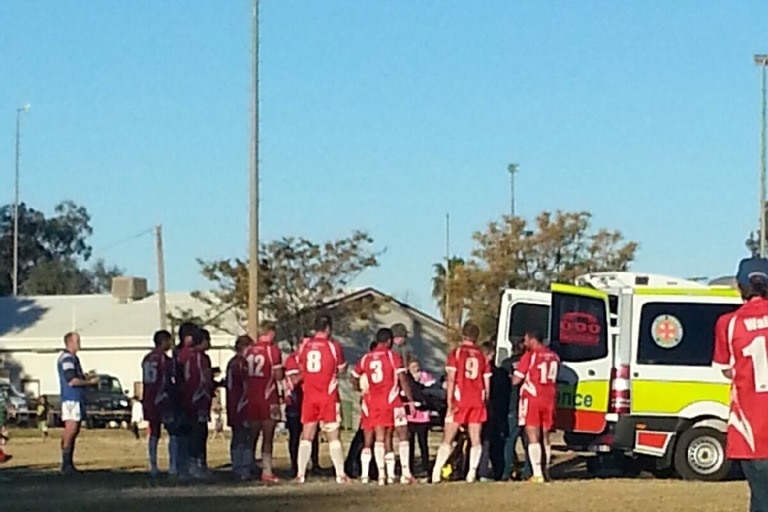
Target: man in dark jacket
x,y
514,430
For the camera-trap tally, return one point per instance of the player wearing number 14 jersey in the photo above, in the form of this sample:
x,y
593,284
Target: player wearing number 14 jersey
x,y
468,377
741,351
265,370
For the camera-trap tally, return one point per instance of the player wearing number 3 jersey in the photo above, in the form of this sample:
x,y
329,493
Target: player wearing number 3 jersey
x,y
536,373
317,365
468,377
741,351
265,369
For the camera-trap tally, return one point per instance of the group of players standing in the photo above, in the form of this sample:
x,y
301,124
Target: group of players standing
x,y
178,390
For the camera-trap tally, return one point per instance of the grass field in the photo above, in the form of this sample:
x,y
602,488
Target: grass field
x,y
114,481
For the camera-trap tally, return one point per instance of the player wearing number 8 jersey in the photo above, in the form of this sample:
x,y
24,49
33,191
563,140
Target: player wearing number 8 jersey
x,y
156,369
741,351
316,366
536,373
468,377
265,370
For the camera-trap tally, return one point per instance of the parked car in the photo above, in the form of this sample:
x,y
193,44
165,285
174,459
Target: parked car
x,y
20,413
105,403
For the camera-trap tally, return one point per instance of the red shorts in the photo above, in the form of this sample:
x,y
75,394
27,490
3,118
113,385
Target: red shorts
x,y
325,410
537,413
466,415
264,411
382,416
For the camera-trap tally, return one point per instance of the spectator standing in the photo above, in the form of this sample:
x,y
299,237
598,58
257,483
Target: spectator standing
x,y
514,431
419,420
42,411
494,429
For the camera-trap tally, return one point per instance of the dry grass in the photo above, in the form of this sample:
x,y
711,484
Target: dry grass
x,y
115,482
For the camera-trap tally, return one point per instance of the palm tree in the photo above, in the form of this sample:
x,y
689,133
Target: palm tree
x,y
444,273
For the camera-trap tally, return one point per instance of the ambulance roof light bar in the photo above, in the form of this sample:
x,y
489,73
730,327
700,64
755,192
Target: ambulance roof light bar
x,y
606,281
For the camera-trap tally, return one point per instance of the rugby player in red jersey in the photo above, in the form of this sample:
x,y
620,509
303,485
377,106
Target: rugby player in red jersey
x,y
240,446
383,373
179,430
196,396
536,374
156,368
265,370
317,366
468,378
741,352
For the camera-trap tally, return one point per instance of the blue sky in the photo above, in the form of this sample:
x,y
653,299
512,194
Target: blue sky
x,y
384,116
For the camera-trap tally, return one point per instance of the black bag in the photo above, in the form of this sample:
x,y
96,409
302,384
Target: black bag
x,y
352,465
458,463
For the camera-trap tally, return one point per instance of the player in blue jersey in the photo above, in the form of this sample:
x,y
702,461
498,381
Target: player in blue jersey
x,y
72,382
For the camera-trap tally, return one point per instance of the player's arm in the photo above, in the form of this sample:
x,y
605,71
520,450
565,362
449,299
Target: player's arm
x,y
518,376
486,379
70,375
341,363
450,378
278,370
292,370
722,357
402,378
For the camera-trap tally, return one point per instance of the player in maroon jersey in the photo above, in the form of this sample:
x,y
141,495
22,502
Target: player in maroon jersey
x,y
383,371
156,368
317,366
741,352
265,370
468,377
240,447
196,396
536,373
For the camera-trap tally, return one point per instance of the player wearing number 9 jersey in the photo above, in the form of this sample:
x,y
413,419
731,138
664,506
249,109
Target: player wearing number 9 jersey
x,y
265,370
741,351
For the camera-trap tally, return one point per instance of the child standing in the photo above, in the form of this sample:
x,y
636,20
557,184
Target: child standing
x,y
137,416
42,411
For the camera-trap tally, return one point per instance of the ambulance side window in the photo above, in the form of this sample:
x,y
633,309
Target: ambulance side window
x,y
679,334
528,316
579,328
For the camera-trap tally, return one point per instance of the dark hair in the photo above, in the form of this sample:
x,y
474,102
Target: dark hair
x,y
535,334
242,341
758,287
470,331
383,335
205,335
322,323
372,346
308,333
161,337
187,329
489,347
200,336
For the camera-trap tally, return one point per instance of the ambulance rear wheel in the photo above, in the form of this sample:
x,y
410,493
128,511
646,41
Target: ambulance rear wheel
x,y
700,455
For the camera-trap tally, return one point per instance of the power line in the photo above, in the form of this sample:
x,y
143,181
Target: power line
x,y
124,240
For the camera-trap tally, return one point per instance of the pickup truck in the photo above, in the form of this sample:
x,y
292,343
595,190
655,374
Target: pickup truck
x,y
105,402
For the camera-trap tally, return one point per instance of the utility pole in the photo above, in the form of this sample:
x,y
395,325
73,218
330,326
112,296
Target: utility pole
x,y
253,256
762,61
447,306
513,169
19,111
161,299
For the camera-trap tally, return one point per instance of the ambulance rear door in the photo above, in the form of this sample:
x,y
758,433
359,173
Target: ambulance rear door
x,y
519,310
579,334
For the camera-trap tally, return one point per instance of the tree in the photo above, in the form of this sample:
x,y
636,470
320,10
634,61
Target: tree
x,y
443,284
560,247
298,278
52,251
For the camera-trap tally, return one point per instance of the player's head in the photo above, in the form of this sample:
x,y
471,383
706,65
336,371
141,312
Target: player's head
x,y
372,345
202,339
470,332
532,339
384,337
267,331
323,325
413,365
489,349
242,343
163,340
399,334
752,278
187,332
72,342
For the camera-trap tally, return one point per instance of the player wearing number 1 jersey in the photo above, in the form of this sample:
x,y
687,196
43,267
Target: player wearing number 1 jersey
x,y
156,369
536,373
265,370
741,351
317,366
468,376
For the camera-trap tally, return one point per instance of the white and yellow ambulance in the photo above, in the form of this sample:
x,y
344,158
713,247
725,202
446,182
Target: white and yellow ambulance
x,y
636,376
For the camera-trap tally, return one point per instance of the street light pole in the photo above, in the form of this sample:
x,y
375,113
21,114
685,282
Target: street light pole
x,y
513,169
762,61
253,257
19,111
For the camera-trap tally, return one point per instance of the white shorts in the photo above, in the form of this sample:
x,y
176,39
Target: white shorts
x,y
70,411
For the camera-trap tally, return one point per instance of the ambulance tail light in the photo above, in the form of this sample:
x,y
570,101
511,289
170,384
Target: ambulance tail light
x,y
620,399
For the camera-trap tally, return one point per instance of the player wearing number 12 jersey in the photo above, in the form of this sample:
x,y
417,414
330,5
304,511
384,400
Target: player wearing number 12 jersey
x,y
741,351
265,370
156,369
317,366
536,373
468,376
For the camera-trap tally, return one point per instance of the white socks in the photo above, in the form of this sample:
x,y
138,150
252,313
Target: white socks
x,y
474,461
442,457
266,463
378,453
337,457
534,453
365,463
547,453
305,453
405,459
389,460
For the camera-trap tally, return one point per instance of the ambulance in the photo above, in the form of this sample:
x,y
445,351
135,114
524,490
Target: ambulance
x,y
636,380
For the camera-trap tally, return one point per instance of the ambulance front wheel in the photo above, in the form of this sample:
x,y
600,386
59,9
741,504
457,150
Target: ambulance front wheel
x,y
700,455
